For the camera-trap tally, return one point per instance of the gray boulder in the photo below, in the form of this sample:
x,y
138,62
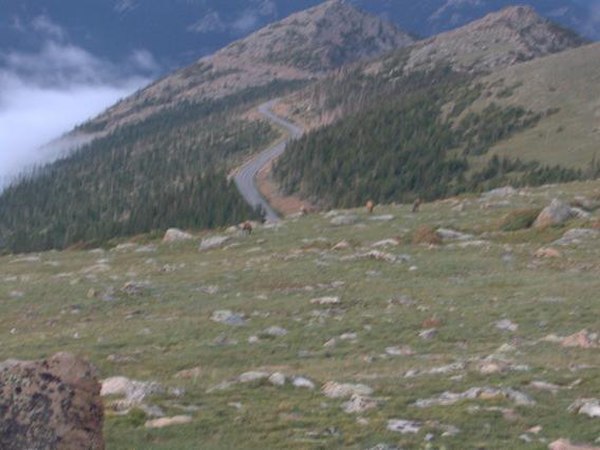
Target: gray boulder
x,y
50,404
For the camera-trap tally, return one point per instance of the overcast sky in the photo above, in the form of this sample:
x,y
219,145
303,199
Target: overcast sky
x,y
46,93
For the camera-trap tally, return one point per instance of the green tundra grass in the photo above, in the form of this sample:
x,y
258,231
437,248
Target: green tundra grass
x,y
64,301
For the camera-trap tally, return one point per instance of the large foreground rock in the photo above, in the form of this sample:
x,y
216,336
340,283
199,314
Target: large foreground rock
x,y
50,404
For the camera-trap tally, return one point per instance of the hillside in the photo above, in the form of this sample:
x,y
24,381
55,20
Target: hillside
x,y
568,84
408,125
514,34
487,339
304,46
160,158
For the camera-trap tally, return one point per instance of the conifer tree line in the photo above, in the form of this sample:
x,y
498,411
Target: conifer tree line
x,y
404,137
169,170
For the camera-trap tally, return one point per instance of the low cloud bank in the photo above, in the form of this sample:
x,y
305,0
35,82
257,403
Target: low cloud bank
x,y
44,94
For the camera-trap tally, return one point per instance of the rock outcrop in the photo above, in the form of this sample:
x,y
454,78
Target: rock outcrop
x,y
50,404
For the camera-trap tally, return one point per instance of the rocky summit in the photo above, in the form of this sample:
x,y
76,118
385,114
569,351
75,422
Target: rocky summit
x,y
303,46
50,404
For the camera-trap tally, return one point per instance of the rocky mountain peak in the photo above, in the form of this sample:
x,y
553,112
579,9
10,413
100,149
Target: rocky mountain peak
x,y
319,39
499,39
303,46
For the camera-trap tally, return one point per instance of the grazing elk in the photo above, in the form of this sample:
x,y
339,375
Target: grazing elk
x,y
370,206
247,227
416,205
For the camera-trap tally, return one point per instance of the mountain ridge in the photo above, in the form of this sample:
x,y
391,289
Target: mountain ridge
x,y
303,46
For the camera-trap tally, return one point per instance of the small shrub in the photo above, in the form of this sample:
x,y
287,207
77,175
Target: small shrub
x,y
425,234
520,219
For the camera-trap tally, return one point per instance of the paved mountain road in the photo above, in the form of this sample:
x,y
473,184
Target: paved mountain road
x,y
245,178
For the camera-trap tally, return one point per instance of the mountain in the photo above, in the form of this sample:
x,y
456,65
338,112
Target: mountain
x,y
512,35
179,31
424,122
159,158
400,126
500,39
302,47
568,85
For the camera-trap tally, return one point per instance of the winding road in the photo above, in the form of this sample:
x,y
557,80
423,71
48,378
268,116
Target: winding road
x,y
245,178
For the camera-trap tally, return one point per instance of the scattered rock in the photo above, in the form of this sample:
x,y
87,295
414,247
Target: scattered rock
x,y
344,220
506,325
277,379
405,350
492,367
275,332
577,236
382,218
189,374
227,317
486,393
134,288
547,252
349,337
301,382
379,256
133,392
358,404
404,426
342,245
176,235
506,191
384,446
168,421
53,403
333,389
564,444
557,213
326,301
452,235
588,406
251,377
386,243
582,339
213,242
428,334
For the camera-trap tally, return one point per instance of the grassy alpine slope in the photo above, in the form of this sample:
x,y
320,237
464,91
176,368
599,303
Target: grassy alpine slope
x,y
413,321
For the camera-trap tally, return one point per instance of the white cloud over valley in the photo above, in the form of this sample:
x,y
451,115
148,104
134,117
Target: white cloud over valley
x,y
45,93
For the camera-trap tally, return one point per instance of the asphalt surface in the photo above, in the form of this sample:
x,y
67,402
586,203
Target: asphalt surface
x,y
245,179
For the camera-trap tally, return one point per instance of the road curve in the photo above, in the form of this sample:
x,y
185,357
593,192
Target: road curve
x,y
245,178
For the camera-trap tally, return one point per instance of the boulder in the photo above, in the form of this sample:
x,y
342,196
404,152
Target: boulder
x,y
168,421
344,220
176,235
563,444
333,389
227,317
557,213
50,404
213,242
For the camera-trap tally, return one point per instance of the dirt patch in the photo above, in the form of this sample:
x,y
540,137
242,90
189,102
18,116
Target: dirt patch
x,y
285,205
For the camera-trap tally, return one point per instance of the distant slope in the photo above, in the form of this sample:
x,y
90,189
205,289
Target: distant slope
x,y
304,46
513,35
498,40
568,84
160,157
408,125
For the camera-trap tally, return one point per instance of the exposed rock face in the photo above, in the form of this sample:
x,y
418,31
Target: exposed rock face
x,y
50,404
500,39
305,45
